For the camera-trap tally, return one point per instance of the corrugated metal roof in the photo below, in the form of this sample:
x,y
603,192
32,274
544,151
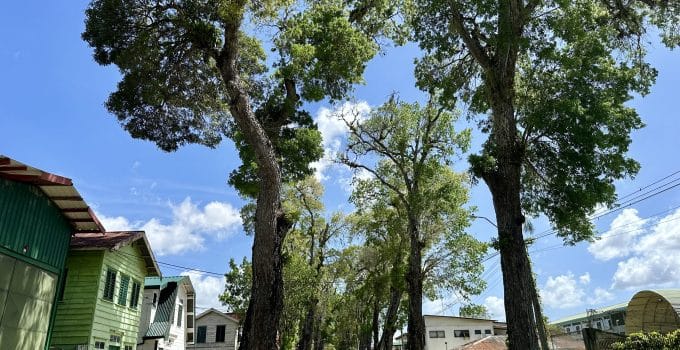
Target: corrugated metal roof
x,y
161,282
654,310
115,240
584,315
494,342
160,327
58,188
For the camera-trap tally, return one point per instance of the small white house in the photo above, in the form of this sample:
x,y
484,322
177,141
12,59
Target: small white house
x,y
216,330
451,332
167,321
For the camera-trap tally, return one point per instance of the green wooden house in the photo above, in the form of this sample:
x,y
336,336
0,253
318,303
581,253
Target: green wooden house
x,y
39,212
101,304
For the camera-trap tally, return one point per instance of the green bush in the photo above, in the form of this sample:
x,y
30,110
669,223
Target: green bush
x,y
650,341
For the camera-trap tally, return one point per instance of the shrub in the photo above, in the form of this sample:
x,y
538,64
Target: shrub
x,y
650,341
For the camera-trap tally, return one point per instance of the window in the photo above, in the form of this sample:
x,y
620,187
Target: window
x,y
478,331
134,298
190,305
437,334
62,285
190,337
568,329
190,320
128,347
578,328
110,285
114,338
99,345
599,325
219,336
461,333
487,331
179,316
200,334
122,292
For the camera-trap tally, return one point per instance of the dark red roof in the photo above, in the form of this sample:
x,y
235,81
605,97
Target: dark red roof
x,y
114,240
496,342
108,240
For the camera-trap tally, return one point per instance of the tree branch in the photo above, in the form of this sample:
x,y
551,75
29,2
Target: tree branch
x,y
471,41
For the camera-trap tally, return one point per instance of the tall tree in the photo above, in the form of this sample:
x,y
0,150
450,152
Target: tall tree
x,y
409,150
196,70
550,79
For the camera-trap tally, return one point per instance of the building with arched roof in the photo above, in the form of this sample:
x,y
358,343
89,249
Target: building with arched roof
x,y
654,310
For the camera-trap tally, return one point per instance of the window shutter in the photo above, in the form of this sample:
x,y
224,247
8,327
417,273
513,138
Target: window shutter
x,y
122,293
110,284
134,298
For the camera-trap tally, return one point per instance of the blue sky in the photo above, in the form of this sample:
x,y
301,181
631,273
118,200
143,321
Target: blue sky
x,y
52,117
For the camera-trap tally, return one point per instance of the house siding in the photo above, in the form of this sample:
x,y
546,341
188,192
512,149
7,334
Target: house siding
x,y
449,325
73,323
176,338
34,239
110,317
211,321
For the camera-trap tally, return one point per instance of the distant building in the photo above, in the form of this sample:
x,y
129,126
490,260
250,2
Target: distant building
x,y
167,321
39,212
609,318
648,310
216,330
451,332
100,305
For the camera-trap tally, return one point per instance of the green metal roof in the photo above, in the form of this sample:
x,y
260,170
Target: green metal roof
x,y
161,282
583,316
160,327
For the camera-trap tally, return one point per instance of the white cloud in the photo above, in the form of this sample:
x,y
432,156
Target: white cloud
x,y
208,290
439,306
496,307
601,296
562,292
649,249
334,131
188,227
585,278
117,223
620,240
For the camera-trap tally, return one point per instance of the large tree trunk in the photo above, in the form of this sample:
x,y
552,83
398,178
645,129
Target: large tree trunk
x,y
266,300
505,184
390,325
307,331
414,281
515,266
504,180
319,332
375,322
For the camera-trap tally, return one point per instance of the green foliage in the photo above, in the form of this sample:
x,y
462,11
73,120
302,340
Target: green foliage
x,y
578,64
238,282
170,54
413,148
474,311
650,341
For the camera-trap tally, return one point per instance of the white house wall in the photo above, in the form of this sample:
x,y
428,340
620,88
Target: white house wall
x,y
211,320
451,324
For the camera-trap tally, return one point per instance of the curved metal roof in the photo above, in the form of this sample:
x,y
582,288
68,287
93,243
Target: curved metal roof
x,y
654,310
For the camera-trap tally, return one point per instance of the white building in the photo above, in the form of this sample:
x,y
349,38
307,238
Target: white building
x,y
451,332
610,319
216,330
167,321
